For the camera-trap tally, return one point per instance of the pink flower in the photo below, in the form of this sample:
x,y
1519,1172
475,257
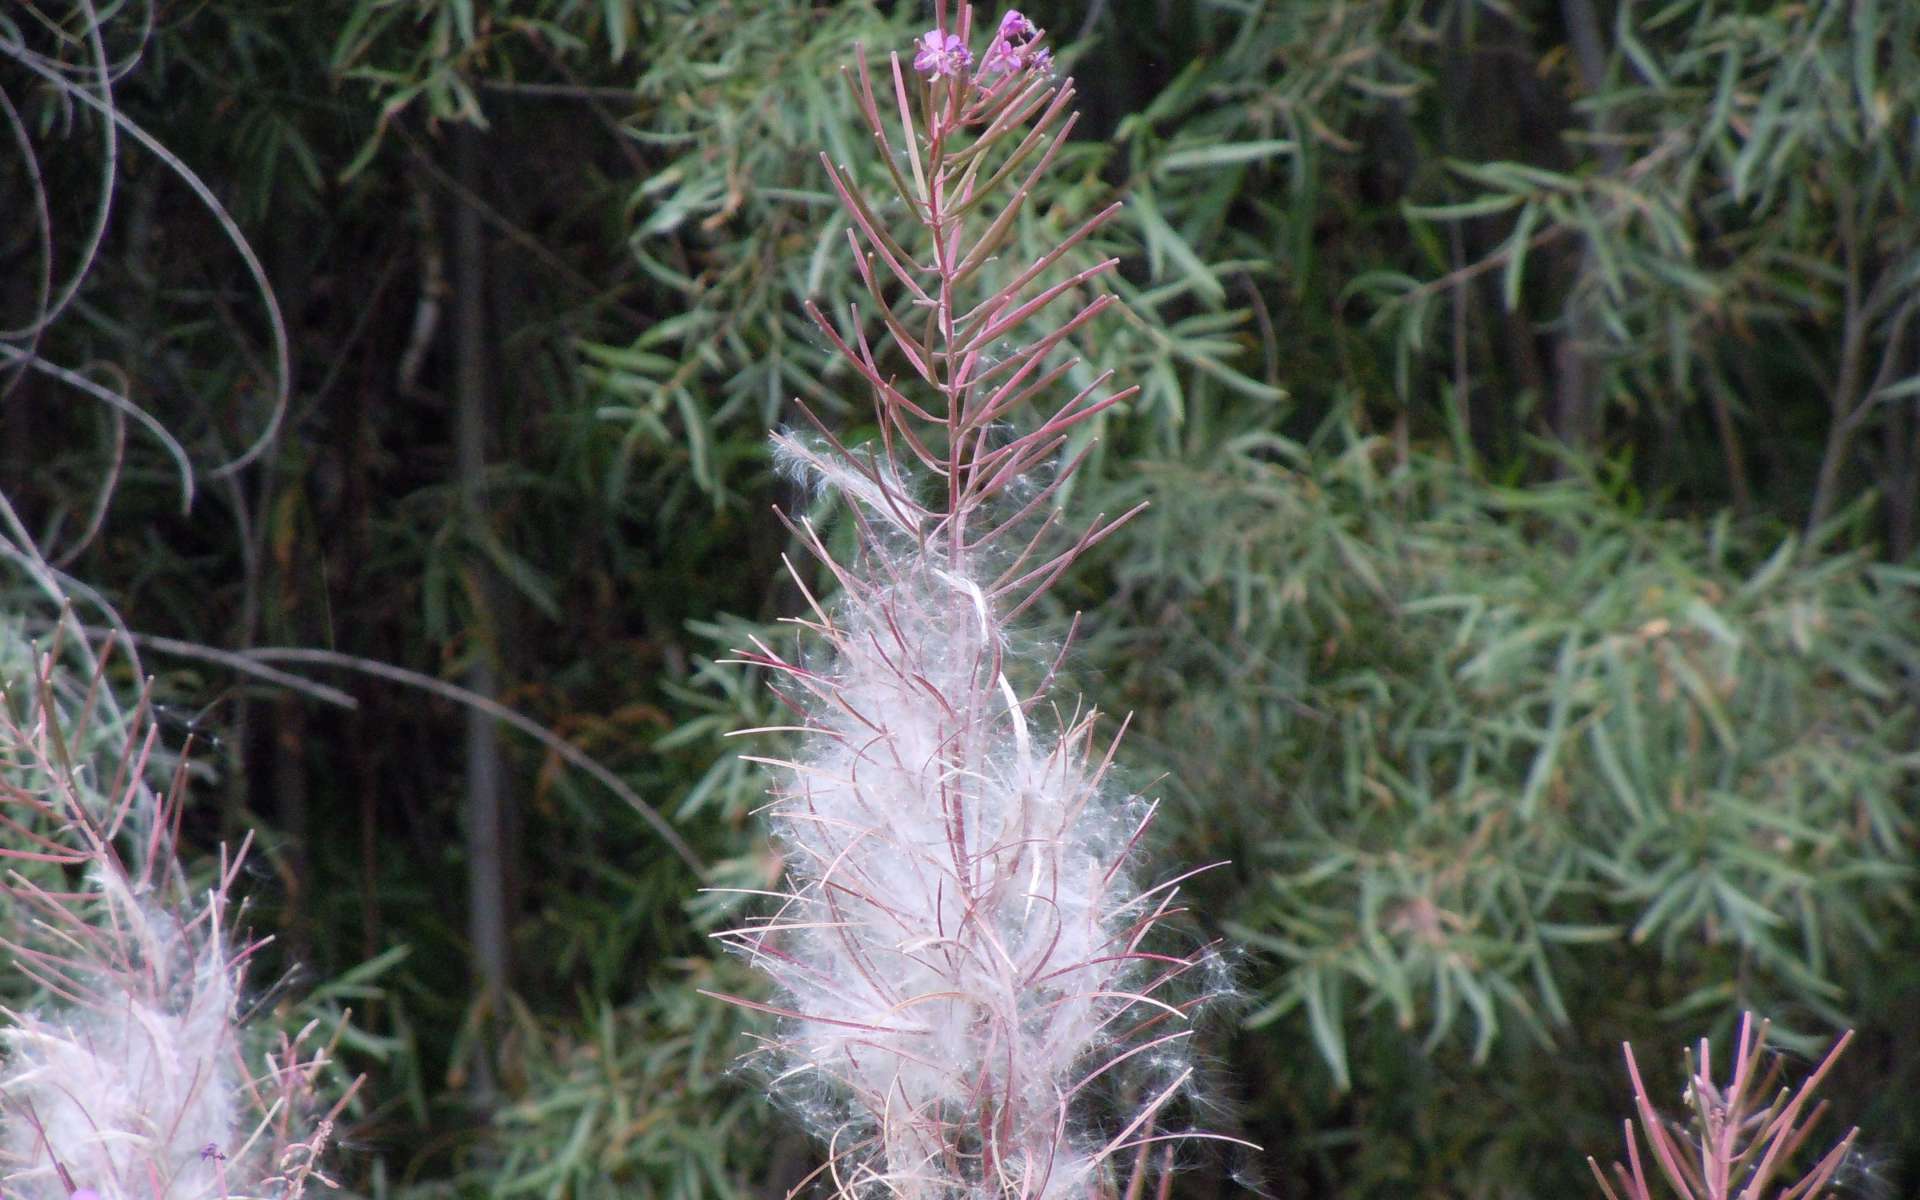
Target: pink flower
x,y
1015,27
1001,57
942,54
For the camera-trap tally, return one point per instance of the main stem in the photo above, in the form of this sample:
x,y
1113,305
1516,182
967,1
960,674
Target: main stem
x,y
945,249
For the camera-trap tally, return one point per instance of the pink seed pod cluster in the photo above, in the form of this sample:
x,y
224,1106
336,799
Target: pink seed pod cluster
x,y
1744,1133
974,995
133,1078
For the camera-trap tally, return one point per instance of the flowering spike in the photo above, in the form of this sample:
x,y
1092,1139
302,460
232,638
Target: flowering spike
x,y
964,946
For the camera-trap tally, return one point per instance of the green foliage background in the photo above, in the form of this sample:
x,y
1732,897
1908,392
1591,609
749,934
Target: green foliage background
x,y
1527,606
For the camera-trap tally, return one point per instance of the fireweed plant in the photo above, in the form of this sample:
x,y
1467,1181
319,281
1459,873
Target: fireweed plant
x,y
132,1078
966,967
1744,1133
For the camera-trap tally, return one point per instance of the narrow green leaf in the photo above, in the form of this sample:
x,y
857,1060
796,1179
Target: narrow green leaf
x,y
1224,155
1516,251
1544,760
1321,990
1164,242
1484,206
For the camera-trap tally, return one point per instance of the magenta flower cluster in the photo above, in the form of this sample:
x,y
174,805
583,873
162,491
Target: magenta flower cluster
x,y
1014,48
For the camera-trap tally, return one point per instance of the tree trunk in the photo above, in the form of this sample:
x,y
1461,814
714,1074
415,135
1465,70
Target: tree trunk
x,y
486,774
1576,403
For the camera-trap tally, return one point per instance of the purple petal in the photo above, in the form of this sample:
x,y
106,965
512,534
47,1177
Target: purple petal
x,y
930,54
